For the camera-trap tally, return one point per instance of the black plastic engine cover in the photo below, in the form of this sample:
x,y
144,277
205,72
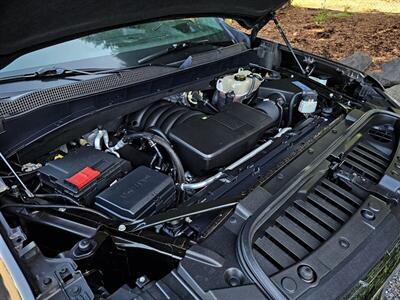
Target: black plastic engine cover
x,y
142,192
208,142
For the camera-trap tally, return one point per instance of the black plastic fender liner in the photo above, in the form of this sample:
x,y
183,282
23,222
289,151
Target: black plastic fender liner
x,y
246,237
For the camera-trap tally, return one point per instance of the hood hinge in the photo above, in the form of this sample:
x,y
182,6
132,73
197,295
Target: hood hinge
x,y
260,25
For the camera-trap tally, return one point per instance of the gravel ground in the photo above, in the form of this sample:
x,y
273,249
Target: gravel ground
x,y
391,290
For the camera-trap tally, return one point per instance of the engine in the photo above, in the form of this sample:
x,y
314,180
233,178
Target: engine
x,y
203,141
127,188
155,158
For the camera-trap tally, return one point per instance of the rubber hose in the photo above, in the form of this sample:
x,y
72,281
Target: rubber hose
x,y
180,172
291,107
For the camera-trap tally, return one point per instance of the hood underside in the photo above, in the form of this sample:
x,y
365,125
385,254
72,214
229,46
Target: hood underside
x,y
27,25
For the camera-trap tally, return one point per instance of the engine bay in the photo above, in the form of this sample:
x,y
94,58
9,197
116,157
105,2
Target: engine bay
x,y
159,173
177,145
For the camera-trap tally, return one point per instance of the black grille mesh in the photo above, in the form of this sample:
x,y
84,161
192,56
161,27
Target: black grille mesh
x,y
39,98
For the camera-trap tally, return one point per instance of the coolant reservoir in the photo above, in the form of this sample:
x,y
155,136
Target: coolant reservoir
x,y
240,85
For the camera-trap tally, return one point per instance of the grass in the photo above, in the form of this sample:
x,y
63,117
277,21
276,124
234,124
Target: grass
x,y
386,6
326,15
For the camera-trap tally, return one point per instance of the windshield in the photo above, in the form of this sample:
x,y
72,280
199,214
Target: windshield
x,y
123,46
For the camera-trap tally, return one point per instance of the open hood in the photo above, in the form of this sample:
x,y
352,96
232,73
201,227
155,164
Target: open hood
x,y
26,25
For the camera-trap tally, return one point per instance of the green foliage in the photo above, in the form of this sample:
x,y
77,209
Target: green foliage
x,y
326,15
376,277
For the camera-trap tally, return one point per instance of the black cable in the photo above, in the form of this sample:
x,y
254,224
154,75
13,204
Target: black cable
x,y
210,106
264,68
54,206
37,187
65,197
250,92
280,94
198,98
10,176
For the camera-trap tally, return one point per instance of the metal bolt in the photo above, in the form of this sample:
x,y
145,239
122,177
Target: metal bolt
x,y
344,243
84,245
122,227
306,273
234,281
47,281
367,214
76,290
142,279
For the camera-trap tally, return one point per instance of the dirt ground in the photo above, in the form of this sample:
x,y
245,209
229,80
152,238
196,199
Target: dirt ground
x,y
336,35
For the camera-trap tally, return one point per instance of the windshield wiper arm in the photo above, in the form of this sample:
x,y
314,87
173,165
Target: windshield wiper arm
x,y
53,71
61,72
180,46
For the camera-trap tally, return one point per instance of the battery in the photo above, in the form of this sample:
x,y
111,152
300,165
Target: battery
x,y
83,173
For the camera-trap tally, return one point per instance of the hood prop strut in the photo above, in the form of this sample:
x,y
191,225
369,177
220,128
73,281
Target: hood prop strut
x,y
264,21
284,37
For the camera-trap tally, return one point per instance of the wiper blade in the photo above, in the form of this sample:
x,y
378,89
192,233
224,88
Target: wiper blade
x,y
180,46
61,72
53,71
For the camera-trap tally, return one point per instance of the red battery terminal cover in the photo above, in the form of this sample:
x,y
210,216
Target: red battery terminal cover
x,y
83,177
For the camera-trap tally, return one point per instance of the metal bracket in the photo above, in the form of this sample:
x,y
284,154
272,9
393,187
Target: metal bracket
x,y
15,234
260,25
368,186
